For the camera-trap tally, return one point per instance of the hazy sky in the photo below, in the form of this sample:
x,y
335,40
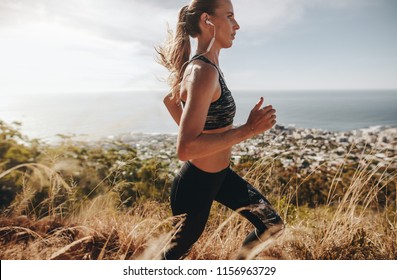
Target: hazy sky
x,y
63,46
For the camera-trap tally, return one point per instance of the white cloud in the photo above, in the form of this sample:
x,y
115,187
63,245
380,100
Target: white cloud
x,y
341,4
117,20
91,44
79,45
258,17
131,20
266,15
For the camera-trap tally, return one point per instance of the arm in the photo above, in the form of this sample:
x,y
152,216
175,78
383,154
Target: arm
x,y
173,107
192,143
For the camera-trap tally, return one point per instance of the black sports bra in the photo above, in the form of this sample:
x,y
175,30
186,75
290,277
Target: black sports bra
x,y
222,111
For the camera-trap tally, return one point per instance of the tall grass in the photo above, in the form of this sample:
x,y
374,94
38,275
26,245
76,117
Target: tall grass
x,y
348,227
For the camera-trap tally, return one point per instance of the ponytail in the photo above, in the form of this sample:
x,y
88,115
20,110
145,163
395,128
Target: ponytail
x,y
176,52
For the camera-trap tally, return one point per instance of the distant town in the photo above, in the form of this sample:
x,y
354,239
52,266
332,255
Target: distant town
x,y
301,147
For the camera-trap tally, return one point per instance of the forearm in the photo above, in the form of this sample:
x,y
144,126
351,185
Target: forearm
x,y
207,144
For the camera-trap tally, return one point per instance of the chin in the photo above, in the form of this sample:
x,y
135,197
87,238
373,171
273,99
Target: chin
x,y
229,45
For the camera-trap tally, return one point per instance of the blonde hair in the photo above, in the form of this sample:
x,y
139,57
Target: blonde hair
x,y
175,52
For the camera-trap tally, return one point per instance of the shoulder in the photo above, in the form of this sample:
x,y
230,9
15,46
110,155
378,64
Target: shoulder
x,y
200,81
199,73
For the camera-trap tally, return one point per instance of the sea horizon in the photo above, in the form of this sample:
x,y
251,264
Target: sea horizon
x,y
103,114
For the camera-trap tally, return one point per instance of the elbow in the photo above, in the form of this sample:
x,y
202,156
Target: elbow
x,y
183,157
183,151
166,101
169,99
182,154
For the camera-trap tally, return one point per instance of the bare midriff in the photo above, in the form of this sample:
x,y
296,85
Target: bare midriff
x,y
215,162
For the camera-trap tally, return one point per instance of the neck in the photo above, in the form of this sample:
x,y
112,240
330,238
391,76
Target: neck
x,y
212,55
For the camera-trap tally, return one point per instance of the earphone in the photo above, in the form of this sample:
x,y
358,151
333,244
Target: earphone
x,y
207,21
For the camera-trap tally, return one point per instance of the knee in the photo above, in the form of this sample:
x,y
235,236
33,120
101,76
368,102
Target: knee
x,y
267,231
271,229
268,218
277,229
278,225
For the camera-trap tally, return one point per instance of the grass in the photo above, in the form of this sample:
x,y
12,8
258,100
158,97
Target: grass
x,y
347,227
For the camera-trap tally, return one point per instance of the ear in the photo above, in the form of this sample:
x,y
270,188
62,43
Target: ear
x,y
203,18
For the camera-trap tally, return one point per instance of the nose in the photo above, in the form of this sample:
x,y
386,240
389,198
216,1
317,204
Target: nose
x,y
236,25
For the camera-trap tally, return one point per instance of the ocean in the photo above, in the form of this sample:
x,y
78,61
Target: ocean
x,y
96,115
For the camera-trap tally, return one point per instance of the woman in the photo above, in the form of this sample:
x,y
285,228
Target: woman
x,y
203,107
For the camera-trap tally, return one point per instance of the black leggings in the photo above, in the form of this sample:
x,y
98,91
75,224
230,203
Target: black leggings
x,y
192,194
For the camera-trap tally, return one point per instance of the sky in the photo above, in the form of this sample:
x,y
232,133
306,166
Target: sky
x,y
50,46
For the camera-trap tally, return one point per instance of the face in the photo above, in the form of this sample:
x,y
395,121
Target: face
x,y
225,23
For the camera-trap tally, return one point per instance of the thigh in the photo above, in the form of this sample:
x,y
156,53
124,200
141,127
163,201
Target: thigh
x,y
194,190
234,191
237,194
192,194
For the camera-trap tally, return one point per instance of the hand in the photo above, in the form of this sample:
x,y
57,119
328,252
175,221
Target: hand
x,y
261,119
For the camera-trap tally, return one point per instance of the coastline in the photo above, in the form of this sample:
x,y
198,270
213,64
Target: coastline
x,y
94,116
301,147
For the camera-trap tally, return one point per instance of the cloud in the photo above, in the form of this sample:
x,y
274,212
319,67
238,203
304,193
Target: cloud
x,y
110,43
68,45
258,17
267,15
145,21
117,20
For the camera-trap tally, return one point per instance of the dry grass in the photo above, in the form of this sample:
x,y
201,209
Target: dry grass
x,y
351,228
